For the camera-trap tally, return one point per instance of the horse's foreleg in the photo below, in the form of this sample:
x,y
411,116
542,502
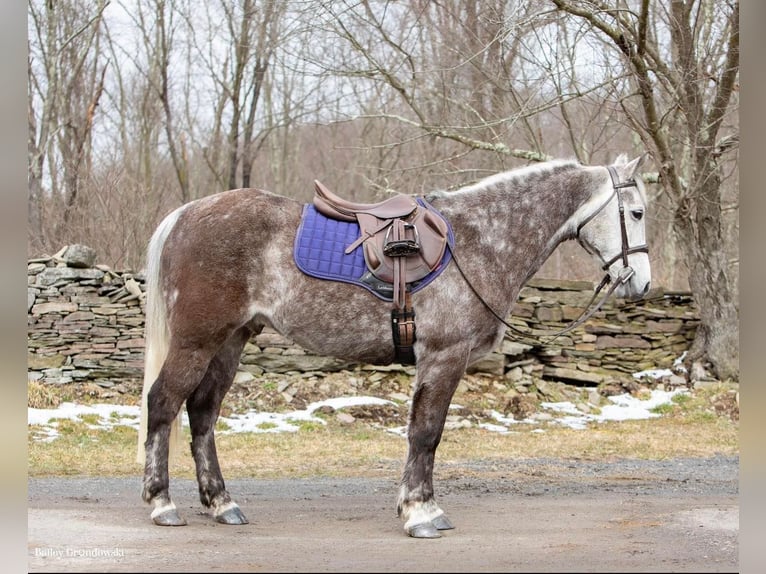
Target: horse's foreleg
x,y
437,378
203,407
180,373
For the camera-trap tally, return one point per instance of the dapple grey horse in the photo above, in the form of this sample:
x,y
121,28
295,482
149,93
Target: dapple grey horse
x,y
221,268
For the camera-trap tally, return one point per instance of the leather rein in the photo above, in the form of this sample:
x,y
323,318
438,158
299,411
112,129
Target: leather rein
x,y
625,273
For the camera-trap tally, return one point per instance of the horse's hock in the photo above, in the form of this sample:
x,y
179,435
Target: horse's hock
x,y
86,321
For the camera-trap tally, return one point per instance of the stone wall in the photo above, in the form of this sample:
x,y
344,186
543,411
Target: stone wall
x,y
85,323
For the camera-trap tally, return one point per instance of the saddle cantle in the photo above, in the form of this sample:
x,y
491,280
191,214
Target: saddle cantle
x,y
403,240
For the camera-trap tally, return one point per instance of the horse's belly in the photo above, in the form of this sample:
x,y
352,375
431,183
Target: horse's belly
x,y
335,319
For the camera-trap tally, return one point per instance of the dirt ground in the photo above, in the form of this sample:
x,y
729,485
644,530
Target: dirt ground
x,y
533,515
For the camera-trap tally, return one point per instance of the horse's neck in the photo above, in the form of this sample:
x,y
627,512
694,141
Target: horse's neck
x,y
511,229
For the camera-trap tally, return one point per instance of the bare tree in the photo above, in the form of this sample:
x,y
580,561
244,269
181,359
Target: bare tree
x,y
235,45
467,74
682,64
66,81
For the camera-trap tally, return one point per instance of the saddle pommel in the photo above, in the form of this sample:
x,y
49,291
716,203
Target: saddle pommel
x,y
330,205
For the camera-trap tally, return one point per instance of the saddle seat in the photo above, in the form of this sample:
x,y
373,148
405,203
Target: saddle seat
x,y
336,207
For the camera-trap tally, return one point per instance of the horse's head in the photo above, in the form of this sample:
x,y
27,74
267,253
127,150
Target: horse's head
x,y
614,228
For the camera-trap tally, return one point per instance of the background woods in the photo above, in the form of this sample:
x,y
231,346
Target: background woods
x,y
136,106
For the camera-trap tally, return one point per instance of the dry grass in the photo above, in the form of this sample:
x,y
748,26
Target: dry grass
x,y
689,428
41,396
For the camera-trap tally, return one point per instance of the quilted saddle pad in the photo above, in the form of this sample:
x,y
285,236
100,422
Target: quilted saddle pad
x,y
320,243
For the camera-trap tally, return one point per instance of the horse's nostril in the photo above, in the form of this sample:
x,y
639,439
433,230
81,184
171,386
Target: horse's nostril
x,y
646,288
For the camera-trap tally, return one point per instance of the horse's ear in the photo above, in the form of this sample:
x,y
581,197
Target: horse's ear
x,y
630,169
621,160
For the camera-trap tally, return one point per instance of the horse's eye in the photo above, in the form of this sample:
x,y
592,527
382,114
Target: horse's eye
x,y
637,214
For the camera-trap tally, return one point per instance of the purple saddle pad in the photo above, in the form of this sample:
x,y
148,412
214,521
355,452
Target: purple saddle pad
x,y
319,251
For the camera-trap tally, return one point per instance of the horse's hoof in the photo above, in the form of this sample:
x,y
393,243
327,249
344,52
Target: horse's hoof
x,y
169,518
441,522
424,530
231,515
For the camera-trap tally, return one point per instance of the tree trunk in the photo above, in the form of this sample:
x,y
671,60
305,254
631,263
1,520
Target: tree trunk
x,y
705,240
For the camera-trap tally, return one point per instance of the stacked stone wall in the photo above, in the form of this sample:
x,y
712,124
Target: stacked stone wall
x,y
86,323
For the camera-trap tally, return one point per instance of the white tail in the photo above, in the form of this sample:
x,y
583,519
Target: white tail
x,y
156,334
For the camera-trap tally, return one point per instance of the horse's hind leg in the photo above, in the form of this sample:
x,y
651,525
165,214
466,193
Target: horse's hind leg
x,y
182,371
203,407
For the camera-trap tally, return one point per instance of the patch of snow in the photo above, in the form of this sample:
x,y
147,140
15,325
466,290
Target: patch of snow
x,y
124,415
624,407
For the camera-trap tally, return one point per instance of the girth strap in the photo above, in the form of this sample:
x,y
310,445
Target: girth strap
x,y
403,332
402,315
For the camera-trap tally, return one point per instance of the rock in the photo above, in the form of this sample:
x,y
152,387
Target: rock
x,y
54,307
513,348
522,406
35,268
551,314
457,422
622,342
132,287
52,275
674,381
344,418
515,374
494,363
243,377
80,256
40,362
572,375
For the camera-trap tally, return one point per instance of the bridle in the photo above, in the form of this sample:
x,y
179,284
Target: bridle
x,y
627,271
622,277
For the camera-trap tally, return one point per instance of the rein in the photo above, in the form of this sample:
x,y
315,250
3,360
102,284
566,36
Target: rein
x,y
624,276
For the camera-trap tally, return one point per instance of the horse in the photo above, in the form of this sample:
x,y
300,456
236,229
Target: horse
x,y
221,268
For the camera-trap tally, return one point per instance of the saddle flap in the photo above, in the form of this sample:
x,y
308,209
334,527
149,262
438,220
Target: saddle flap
x,y
432,233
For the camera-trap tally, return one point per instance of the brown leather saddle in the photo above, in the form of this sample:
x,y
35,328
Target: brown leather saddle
x,y
403,241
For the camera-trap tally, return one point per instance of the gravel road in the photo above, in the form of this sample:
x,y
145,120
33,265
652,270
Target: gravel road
x,y
532,515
